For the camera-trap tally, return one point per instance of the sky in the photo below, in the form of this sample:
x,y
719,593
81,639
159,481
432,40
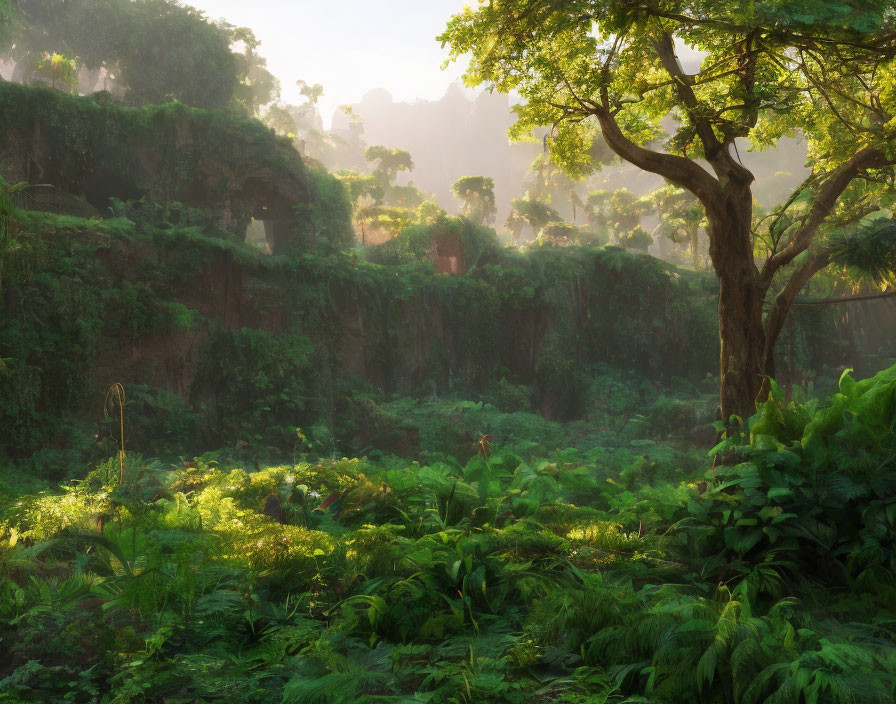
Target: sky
x,y
348,46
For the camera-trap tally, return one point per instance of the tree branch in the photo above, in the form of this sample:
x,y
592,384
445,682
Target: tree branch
x,y
715,151
848,299
774,321
825,200
665,50
679,170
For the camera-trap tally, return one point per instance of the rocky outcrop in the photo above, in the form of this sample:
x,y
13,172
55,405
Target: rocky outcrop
x,y
85,151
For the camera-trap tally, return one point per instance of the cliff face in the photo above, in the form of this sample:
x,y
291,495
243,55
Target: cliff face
x,y
230,168
216,342
228,330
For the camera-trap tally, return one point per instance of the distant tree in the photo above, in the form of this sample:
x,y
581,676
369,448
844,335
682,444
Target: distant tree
x,y
560,233
57,71
380,206
478,196
636,238
312,92
528,211
257,87
363,188
355,125
156,51
389,162
616,213
385,218
429,212
405,196
682,218
547,179
301,123
175,53
281,119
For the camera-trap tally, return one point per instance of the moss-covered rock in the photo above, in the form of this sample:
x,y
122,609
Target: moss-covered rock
x,y
234,169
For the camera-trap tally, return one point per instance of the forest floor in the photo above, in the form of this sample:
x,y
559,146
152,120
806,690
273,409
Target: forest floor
x,y
574,563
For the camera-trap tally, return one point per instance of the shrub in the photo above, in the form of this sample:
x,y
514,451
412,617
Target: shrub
x,y
815,496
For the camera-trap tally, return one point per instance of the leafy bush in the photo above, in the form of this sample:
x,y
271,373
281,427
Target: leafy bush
x,y
159,423
416,243
508,577
814,498
511,397
254,386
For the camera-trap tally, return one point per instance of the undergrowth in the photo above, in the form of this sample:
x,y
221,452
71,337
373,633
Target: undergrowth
x,y
624,571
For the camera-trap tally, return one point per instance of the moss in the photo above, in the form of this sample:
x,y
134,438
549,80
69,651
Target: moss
x,y
229,167
417,243
259,344
253,386
83,289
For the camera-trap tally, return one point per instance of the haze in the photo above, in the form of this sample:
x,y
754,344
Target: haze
x,y
315,388
349,46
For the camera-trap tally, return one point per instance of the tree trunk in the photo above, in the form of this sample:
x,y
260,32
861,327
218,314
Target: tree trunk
x,y
741,329
742,337
693,238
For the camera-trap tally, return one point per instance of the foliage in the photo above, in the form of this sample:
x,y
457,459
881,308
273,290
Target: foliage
x,y
154,51
813,498
417,242
256,85
361,186
617,213
870,252
681,217
57,70
636,239
254,385
106,151
7,18
609,69
324,224
389,161
505,577
531,212
392,220
159,421
478,196
80,292
559,233
466,548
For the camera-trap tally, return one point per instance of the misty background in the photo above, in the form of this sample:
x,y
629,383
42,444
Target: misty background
x,y
379,77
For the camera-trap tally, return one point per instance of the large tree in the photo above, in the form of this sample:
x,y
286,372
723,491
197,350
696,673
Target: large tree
x,y
768,68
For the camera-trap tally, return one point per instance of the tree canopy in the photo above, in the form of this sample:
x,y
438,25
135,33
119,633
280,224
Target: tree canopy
x,y
155,51
389,162
616,213
532,212
478,196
